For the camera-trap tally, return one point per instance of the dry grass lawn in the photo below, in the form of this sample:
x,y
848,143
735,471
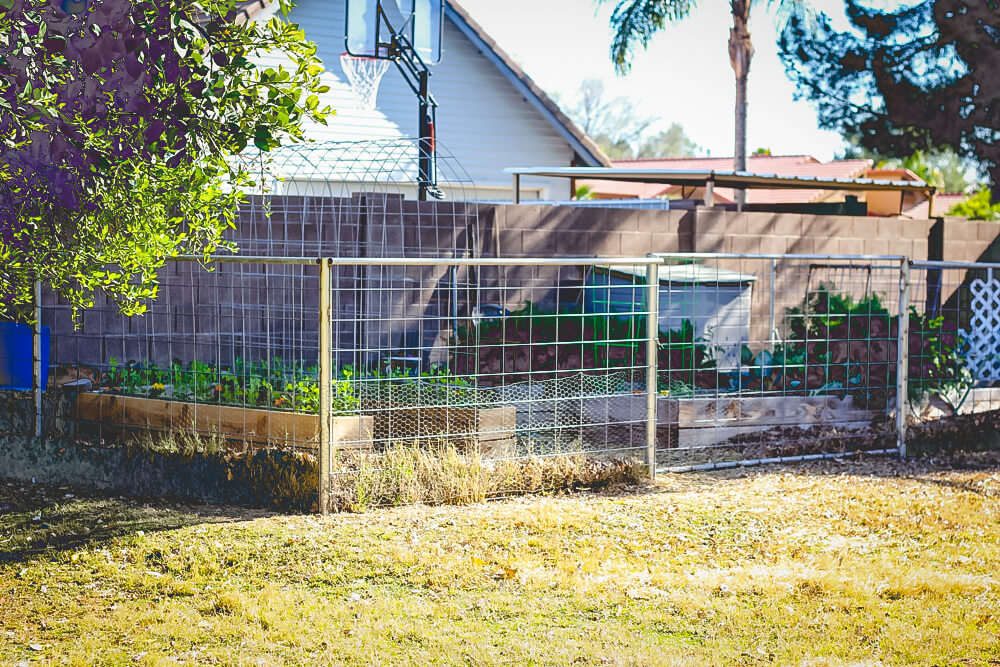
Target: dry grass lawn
x,y
839,563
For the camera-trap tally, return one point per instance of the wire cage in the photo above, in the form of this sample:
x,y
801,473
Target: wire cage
x,y
240,319
357,199
361,200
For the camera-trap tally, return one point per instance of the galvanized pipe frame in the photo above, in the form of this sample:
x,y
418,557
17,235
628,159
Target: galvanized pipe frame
x,y
652,361
938,264
426,261
902,356
791,257
325,453
776,460
39,378
897,263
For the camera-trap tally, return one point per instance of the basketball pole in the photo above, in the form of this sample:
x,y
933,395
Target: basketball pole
x,y
417,76
427,178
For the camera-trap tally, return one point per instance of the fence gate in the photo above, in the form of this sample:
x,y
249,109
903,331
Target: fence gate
x,y
771,358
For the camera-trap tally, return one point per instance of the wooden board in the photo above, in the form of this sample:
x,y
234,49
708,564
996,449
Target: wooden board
x,y
232,423
981,400
489,430
690,438
769,411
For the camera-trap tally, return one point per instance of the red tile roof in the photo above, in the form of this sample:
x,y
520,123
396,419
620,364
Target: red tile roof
x,y
943,201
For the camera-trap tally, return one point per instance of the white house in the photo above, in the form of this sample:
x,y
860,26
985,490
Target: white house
x,y
491,115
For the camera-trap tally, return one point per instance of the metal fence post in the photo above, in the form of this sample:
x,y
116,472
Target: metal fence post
x,y
652,359
902,355
37,378
325,385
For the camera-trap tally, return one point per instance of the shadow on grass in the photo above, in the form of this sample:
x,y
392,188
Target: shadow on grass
x,y
924,469
36,519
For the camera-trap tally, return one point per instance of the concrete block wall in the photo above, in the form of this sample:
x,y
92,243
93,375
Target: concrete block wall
x,y
382,225
969,240
768,233
544,231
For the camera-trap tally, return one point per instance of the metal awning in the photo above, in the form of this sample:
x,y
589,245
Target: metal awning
x,y
709,178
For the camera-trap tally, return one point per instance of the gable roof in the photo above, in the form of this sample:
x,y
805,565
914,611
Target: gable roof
x,y
584,146
586,149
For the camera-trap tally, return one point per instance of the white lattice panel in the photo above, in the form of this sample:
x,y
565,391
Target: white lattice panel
x,y
983,336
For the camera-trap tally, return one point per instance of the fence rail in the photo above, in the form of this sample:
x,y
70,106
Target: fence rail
x,y
687,361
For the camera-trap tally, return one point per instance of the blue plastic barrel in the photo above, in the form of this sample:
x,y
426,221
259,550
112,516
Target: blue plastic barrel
x,y
15,356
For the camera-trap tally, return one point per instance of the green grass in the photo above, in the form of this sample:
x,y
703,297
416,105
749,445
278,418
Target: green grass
x,y
827,564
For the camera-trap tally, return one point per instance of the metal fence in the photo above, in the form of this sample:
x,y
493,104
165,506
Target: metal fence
x,y
768,358
227,355
686,361
954,346
502,358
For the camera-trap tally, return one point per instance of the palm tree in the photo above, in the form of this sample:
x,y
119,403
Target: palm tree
x,y
636,21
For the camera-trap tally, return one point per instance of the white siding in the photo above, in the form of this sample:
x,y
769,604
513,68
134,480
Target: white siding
x,y
482,120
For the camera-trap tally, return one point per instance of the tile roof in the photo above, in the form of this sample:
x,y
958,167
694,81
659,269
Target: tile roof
x,y
943,201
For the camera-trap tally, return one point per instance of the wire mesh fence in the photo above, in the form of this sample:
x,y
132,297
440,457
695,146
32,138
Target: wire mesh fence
x,y
350,359
777,357
509,358
227,355
684,361
954,348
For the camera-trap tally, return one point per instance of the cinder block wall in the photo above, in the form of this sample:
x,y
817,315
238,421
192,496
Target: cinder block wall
x,y
767,233
384,225
968,240
540,231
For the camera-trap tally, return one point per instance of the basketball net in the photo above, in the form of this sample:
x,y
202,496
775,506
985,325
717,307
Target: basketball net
x,y
365,74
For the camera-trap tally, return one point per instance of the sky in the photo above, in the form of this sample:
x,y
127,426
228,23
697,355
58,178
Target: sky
x,y
683,77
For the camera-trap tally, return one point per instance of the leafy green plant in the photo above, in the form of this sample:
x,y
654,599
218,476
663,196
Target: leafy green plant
x,y
937,363
977,207
122,121
277,385
128,377
842,345
552,340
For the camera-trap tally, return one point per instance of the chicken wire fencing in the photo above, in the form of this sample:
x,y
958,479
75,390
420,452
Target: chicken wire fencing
x,y
358,199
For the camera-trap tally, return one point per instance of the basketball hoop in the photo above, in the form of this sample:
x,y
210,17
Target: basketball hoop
x,y
365,74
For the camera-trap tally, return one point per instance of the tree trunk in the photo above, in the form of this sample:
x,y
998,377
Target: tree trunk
x,y
740,54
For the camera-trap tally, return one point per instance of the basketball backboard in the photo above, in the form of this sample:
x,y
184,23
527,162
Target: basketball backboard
x,y
370,25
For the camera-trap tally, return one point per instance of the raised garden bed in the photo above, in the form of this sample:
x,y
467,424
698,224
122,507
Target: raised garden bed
x,y
702,422
256,427
488,430
933,406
